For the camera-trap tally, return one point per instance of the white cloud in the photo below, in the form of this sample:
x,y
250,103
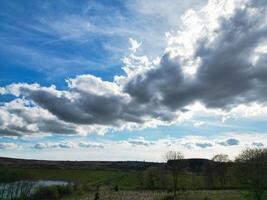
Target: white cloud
x,y
134,45
8,145
2,90
93,85
197,124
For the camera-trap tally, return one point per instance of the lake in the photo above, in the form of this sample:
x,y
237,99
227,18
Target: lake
x,y
25,188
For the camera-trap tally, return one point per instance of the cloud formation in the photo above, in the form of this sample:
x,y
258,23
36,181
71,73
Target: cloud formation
x,y
67,145
135,148
217,59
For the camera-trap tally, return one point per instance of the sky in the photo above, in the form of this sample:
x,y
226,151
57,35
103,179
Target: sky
x,y
132,79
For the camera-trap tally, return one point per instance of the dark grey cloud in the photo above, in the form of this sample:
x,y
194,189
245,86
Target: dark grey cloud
x,y
226,76
77,112
163,87
27,119
5,131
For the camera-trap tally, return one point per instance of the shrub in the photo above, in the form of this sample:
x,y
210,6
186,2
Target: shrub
x,y
46,193
116,188
53,192
65,190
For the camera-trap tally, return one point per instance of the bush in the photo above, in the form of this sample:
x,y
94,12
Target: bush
x,y
65,190
116,188
46,193
53,192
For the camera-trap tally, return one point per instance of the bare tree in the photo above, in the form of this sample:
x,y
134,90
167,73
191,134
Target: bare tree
x,y
220,167
252,170
176,165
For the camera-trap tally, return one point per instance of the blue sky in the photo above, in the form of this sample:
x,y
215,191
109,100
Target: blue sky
x,y
134,78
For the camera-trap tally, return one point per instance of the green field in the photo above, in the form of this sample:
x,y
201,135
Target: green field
x,y
123,178
131,184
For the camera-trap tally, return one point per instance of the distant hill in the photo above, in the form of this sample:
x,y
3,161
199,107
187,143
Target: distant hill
x,y
193,164
121,165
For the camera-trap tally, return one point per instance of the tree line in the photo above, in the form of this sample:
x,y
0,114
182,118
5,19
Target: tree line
x,y
248,171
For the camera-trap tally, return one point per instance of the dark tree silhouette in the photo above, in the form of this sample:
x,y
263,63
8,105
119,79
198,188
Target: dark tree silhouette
x,y
252,170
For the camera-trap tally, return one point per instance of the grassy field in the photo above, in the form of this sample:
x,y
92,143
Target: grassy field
x,y
130,184
123,178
